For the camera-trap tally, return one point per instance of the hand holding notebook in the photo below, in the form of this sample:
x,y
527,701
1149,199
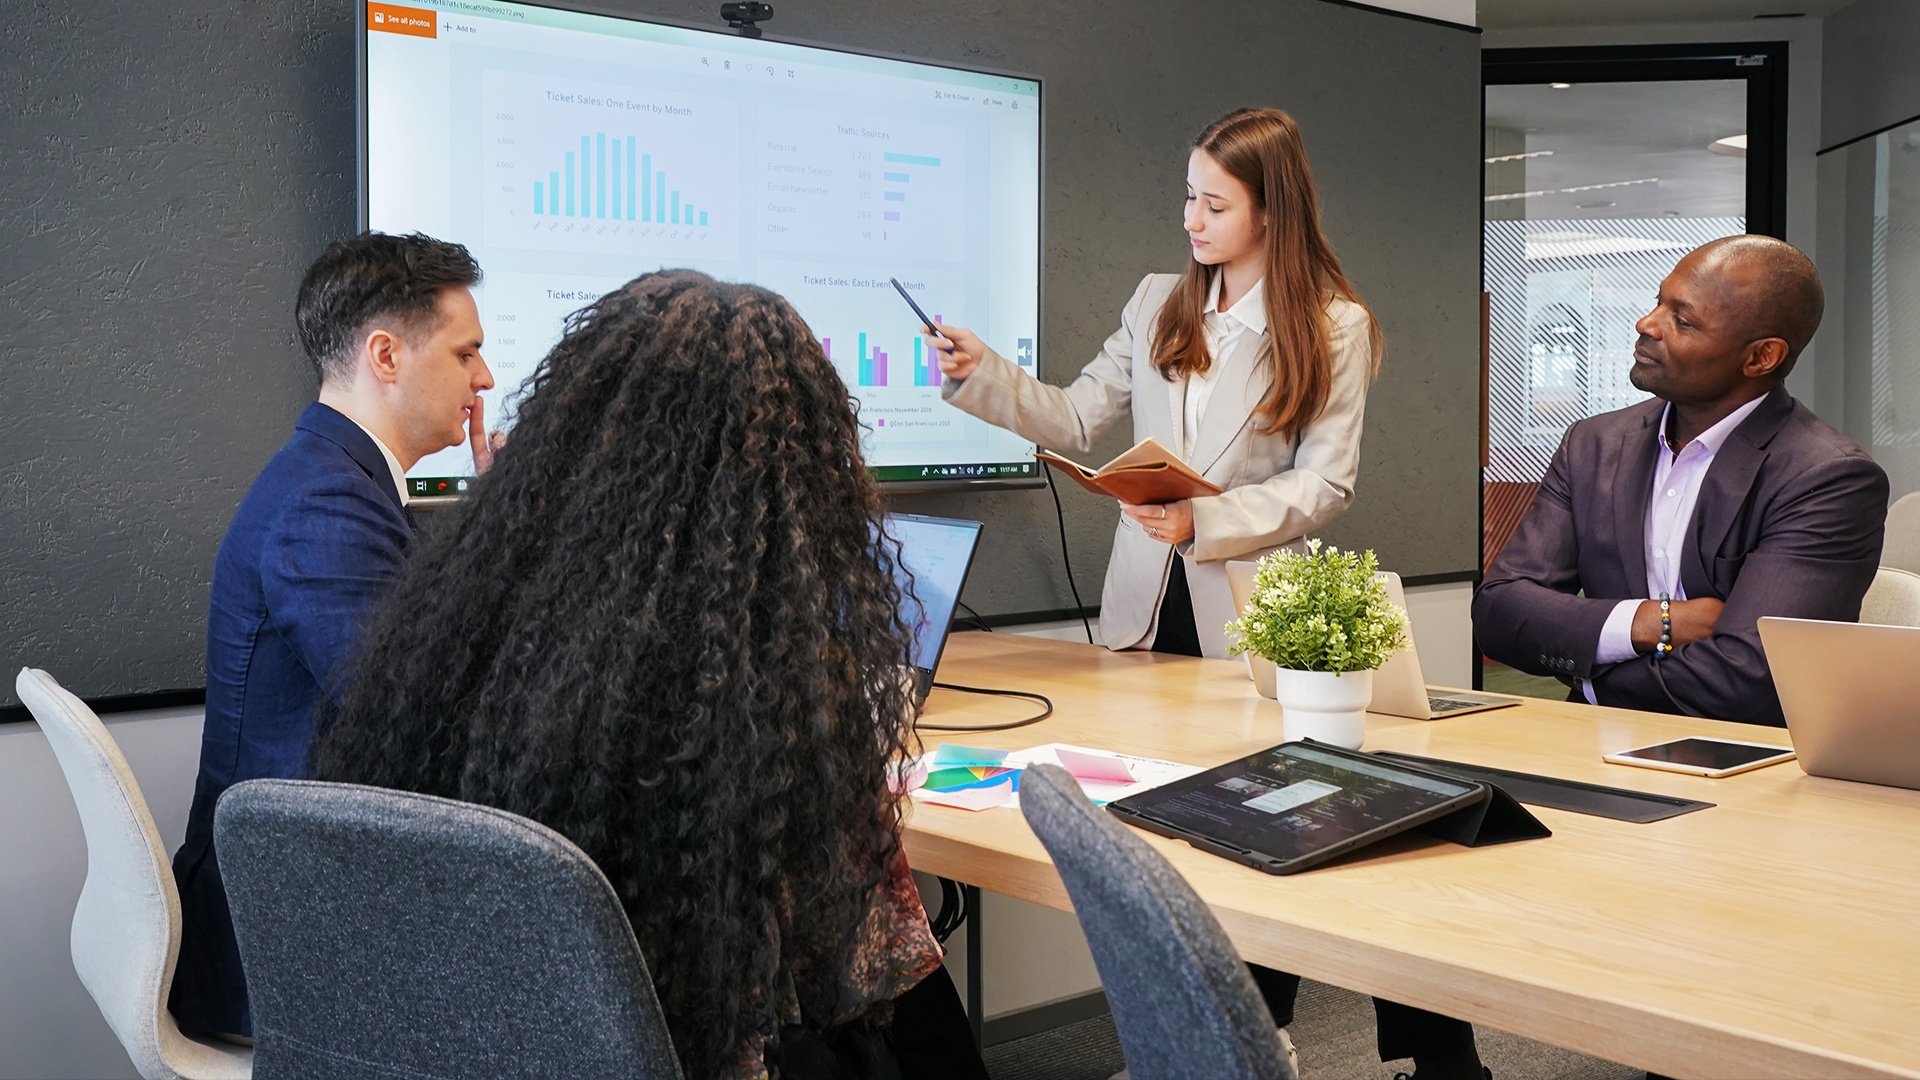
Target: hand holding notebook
x,y
1147,473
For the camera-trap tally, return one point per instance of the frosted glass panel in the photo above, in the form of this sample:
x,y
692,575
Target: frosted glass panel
x,y
1593,192
1869,382
1564,299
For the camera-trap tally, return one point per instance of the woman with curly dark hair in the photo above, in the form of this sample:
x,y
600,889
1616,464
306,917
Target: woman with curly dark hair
x,y
662,626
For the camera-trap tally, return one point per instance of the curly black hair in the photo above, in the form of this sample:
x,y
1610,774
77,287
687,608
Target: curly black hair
x,y
664,625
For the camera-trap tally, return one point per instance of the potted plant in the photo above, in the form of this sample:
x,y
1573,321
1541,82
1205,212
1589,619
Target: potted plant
x,y
1323,619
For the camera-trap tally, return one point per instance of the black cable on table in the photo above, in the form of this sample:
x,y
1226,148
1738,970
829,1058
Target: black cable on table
x,y
1043,699
978,619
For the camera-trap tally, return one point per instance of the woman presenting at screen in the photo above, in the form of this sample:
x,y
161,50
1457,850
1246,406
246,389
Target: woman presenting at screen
x,y
1252,364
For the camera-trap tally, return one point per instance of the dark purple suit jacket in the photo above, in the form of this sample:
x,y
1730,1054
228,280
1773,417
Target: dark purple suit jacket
x,y
1789,522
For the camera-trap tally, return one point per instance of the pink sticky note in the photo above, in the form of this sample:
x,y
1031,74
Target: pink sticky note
x,y
980,798
1094,766
1100,792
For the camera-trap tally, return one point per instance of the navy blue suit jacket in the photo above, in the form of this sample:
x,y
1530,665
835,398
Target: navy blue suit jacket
x,y
1788,522
312,549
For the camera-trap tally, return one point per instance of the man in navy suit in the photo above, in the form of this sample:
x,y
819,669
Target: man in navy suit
x,y
391,327
1721,500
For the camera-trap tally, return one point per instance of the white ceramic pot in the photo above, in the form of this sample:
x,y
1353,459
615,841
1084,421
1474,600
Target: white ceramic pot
x,y
1323,705
1260,670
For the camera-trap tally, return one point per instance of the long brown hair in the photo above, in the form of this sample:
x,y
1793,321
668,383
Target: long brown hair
x,y
1261,148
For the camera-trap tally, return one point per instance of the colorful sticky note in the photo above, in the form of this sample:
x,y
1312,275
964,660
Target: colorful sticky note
x,y
971,776
942,779
976,798
951,754
1101,767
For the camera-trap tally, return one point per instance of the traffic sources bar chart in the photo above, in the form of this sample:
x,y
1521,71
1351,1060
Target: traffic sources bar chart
x,y
898,177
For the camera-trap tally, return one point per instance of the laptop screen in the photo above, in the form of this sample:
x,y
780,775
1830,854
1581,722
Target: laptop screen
x,y
930,567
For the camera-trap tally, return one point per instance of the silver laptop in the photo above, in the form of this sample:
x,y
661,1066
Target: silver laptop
x,y
930,565
1399,687
1851,695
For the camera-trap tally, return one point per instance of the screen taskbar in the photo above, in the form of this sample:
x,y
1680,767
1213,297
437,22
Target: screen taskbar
x,y
428,487
1005,470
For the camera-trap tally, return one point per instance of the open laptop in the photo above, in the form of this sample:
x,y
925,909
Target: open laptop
x,y
1399,687
930,567
1851,695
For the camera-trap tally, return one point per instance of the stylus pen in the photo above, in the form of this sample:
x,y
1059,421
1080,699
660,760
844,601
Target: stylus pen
x,y
932,327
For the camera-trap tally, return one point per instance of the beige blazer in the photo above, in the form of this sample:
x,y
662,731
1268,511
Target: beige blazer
x,y
1279,490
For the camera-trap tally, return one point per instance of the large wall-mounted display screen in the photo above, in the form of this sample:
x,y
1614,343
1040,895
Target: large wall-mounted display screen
x,y
571,152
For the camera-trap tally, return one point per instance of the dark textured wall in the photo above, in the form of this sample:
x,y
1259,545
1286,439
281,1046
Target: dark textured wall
x,y
168,177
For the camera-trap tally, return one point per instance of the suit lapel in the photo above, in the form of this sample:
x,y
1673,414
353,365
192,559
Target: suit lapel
x,y
1724,490
1239,383
1631,486
1177,416
1149,383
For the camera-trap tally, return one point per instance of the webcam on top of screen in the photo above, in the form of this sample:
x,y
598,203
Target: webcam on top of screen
x,y
745,18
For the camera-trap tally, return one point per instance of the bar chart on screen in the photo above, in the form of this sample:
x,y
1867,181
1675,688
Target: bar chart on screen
x,y
589,168
875,366
875,344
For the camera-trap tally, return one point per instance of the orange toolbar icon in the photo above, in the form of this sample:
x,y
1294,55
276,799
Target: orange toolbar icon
x,y
394,19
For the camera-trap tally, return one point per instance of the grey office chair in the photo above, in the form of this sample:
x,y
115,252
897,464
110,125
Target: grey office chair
x,y
1181,998
1902,546
1893,599
398,935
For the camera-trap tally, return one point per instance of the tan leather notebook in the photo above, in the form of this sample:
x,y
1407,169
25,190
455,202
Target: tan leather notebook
x,y
1147,473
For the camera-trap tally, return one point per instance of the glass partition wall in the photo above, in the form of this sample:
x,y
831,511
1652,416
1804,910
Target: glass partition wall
x,y
1868,379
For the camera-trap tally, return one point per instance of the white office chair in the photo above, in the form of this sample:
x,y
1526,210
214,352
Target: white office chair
x,y
1902,550
1893,599
126,924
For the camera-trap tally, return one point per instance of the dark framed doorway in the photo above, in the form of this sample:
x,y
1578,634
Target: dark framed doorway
x,y
1602,167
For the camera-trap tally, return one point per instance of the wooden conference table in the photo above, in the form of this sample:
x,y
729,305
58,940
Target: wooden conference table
x,y
1776,934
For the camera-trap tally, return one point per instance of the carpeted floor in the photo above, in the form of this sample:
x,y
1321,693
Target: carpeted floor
x,y
1333,1029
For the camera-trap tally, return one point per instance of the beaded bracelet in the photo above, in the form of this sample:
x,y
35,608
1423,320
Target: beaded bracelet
x,y
1665,644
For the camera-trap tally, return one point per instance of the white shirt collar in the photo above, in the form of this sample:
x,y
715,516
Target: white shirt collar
x,y
1714,437
1249,311
393,463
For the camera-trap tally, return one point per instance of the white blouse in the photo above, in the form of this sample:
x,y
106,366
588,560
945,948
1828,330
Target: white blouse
x,y
1223,329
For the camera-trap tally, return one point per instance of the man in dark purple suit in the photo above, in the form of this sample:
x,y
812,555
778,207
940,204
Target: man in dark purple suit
x,y
1721,500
